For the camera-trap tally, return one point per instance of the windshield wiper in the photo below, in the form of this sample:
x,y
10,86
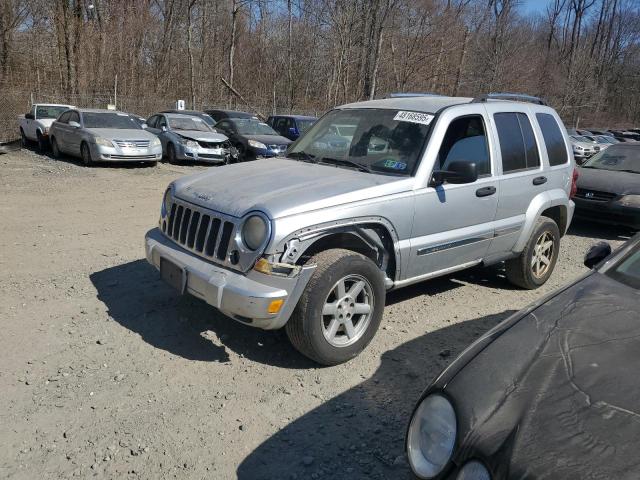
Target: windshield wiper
x,y
304,156
360,166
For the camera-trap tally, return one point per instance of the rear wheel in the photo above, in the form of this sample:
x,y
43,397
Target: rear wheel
x,y
54,148
535,264
341,308
86,155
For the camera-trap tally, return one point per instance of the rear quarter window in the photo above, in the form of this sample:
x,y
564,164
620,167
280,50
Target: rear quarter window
x,y
517,142
553,139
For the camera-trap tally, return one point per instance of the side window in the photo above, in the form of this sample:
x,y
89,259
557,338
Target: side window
x,y
280,125
151,123
465,141
517,143
64,118
162,122
74,117
553,139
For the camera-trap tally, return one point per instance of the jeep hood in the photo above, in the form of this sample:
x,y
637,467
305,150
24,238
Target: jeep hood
x,y
282,187
202,136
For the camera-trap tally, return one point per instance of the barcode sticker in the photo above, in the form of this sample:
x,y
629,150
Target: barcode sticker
x,y
413,117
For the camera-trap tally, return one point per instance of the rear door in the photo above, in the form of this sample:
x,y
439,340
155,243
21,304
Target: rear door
x,y
61,131
520,172
453,224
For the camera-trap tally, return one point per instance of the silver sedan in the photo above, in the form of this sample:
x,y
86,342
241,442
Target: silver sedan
x,y
103,135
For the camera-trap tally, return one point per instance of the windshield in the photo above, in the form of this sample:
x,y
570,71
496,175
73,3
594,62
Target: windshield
x,y
188,123
624,158
382,140
304,125
249,126
48,111
627,270
109,120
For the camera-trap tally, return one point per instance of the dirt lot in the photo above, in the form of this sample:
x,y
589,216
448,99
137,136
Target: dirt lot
x,y
106,372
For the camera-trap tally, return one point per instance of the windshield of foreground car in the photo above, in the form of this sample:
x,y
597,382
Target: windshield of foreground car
x,y
109,120
304,125
188,123
49,112
382,140
622,158
249,126
627,270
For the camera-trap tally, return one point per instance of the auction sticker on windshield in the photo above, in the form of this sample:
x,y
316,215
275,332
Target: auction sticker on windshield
x,y
413,117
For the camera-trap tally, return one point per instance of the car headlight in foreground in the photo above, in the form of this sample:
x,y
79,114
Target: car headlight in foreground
x,y
166,201
258,145
254,232
104,142
432,436
473,470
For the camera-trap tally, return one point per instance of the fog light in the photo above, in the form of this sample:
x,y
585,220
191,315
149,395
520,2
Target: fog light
x,y
275,306
234,257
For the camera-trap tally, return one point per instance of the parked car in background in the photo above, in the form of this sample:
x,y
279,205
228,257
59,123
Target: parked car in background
x,y
204,116
218,115
625,136
103,136
291,126
583,148
35,125
551,392
188,137
253,139
313,242
609,186
600,140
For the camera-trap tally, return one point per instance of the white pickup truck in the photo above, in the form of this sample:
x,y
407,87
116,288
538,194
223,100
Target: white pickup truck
x,y
34,126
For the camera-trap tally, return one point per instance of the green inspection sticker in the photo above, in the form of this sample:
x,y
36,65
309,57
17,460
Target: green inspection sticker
x,y
394,165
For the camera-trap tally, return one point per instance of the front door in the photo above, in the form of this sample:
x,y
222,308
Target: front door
x,y
453,224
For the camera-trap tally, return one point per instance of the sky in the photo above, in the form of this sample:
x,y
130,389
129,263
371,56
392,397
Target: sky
x,y
534,6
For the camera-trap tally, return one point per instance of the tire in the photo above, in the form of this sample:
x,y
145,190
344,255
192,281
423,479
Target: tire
x,y
242,153
310,331
85,153
171,153
530,270
54,148
42,144
23,139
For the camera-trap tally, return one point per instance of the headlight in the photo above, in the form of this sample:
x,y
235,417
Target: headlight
x,y
577,147
432,436
166,202
155,142
473,470
258,145
104,142
254,232
190,143
632,201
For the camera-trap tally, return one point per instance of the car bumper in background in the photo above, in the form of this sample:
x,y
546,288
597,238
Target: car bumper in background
x,y
113,154
211,155
246,298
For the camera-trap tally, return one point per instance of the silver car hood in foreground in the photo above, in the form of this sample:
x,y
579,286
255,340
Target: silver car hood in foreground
x,y
121,133
282,187
202,136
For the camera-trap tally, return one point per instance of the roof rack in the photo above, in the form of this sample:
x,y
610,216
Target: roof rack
x,y
413,94
518,97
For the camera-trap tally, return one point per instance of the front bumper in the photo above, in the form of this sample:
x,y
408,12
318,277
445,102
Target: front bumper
x,y
245,298
113,154
611,213
200,154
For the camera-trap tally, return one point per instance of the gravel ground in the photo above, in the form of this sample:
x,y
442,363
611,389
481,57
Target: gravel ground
x,y
106,372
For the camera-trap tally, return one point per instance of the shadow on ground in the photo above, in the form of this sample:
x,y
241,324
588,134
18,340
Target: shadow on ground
x,y
360,433
583,228
140,301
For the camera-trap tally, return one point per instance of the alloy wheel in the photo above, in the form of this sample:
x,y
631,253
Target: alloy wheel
x,y
542,255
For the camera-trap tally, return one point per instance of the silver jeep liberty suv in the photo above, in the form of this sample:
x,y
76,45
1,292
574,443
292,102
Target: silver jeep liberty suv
x,y
376,196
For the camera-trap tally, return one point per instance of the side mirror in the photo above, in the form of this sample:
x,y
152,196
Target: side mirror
x,y
74,124
163,128
596,254
145,126
458,172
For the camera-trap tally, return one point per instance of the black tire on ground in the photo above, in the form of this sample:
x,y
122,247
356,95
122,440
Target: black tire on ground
x,y
242,153
524,271
42,143
85,152
171,153
307,326
150,164
23,139
54,148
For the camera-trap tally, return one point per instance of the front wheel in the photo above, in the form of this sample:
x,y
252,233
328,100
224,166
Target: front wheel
x,y
42,143
535,264
86,155
55,149
23,139
171,153
341,308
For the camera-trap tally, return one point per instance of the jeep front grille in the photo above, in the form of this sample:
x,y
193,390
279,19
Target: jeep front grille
x,y
200,231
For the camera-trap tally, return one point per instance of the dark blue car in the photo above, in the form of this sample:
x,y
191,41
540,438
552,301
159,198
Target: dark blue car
x,y
291,126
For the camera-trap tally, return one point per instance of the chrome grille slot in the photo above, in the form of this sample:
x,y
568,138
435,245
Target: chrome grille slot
x,y
595,195
201,231
132,143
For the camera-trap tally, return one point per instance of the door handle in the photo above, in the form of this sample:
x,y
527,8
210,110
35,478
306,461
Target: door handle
x,y
539,180
485,191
